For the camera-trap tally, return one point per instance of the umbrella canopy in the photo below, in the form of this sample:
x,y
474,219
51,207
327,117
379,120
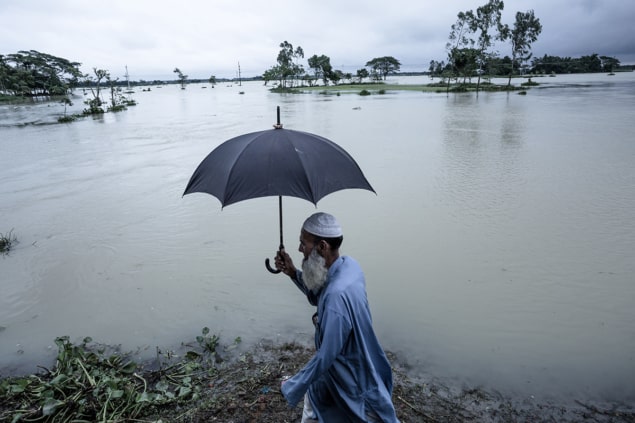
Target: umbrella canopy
x,y
276,162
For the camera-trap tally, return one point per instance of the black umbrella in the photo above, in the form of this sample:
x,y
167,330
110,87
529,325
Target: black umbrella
x,y
276,162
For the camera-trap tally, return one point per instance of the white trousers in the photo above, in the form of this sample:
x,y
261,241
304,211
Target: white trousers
x,y
308,415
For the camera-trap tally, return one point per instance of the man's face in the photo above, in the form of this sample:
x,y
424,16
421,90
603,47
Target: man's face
x,y
307,244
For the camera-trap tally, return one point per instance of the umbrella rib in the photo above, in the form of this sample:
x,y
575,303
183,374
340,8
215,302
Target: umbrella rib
x,y
233,165
297,153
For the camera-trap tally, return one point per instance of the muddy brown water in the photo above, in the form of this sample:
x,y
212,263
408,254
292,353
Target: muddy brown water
x,y
498,249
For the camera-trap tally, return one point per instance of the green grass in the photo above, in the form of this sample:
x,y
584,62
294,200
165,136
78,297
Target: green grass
x,y
381,88
356,88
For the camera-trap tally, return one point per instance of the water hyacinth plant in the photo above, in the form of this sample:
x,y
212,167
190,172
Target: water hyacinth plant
x,y
89,384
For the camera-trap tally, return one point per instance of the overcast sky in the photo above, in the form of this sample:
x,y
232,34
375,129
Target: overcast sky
x,y
210,37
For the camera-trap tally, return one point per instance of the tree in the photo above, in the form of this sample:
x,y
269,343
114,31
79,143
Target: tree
x,y
182,78
287,62
464,61
556,64
361,74
609,64
486,17
5,70
525,32
436,68
321,65
114,98
212,80
458,41
384,65
551,64
271,74
591,63
31,73
66,102
94,104
117,101
336,76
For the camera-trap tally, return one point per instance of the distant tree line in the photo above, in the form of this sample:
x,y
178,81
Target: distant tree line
x,y
470,46
34,74
470,53
539,65
289,71
31,73
584,64
473,37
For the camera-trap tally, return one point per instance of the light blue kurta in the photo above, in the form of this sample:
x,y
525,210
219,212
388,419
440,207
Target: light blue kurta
x,y
349,373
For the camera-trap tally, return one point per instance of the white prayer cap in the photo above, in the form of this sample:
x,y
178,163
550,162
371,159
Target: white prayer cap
x,y
323,225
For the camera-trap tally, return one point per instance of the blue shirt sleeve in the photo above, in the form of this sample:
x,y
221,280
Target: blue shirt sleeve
x,y
335,328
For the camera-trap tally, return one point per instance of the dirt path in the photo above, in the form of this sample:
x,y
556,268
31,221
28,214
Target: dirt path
x,y
248,390
244,386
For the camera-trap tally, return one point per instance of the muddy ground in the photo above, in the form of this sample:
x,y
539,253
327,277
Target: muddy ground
x,y
247,390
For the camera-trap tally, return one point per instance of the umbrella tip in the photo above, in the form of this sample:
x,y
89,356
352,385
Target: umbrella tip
x,y
278,125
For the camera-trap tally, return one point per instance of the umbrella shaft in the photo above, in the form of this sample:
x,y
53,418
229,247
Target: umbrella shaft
x,y
280,213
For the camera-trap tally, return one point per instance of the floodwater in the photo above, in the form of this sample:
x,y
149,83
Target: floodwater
x,y
499,249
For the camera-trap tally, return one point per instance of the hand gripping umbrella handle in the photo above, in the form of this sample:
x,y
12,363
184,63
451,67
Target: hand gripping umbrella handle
x,y
268,266
271,269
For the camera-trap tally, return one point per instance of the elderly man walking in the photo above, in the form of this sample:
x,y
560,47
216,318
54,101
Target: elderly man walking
x,y
349,378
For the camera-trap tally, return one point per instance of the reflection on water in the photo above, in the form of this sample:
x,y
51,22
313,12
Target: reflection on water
x,y
498,249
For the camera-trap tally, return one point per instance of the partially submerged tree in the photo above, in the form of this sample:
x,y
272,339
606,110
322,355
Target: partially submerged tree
x,y
487,17
464,61
271,74
118,101
436,68
94,104
288,66
31,73
459,41
382,66
182,77
322,68
609,64
525,32
361,74
66,102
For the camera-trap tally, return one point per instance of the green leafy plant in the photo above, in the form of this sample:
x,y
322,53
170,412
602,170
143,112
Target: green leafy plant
x,y
207,345
67,119
87,384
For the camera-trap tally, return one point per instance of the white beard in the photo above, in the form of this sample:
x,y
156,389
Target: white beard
x,y
314,271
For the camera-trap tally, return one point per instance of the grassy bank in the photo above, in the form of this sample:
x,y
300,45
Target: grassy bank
x,y
208,382
382,88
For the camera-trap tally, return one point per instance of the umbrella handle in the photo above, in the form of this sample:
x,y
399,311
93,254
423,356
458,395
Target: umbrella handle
x,y
268,266
271,269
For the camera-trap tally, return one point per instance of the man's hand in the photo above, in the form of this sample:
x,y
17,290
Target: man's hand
x,y
285,264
